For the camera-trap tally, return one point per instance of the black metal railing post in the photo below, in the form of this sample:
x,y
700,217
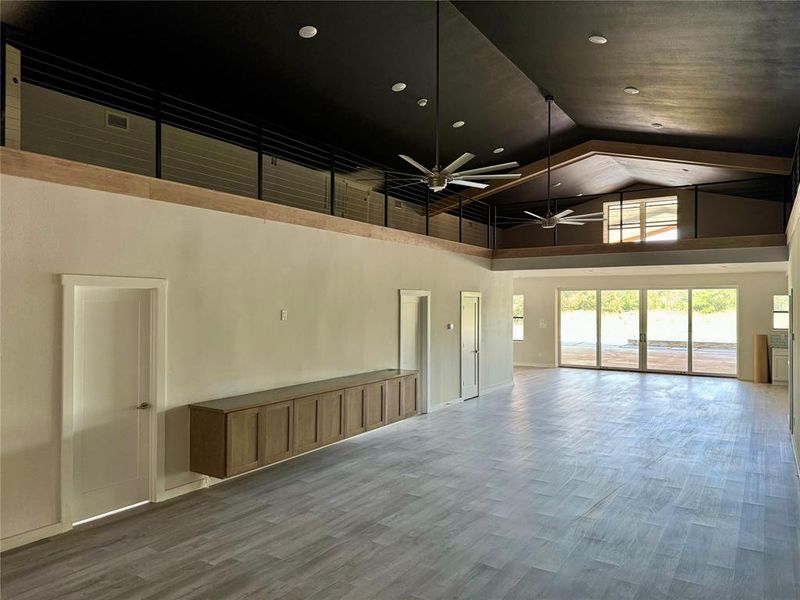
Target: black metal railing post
x,y
427,211
333,183
260,176
494,238
696,211
158,135
460,218
489,213
385,200
621,202
3,84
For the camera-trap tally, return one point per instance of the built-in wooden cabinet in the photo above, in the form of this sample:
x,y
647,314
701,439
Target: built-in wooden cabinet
x,y
374,405
355,411
230,436
394,400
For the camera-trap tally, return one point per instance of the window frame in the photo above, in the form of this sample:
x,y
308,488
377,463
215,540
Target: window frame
x,y
515,318
643,226
780,312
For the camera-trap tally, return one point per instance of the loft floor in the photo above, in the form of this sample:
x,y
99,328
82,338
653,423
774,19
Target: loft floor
x,y
574,485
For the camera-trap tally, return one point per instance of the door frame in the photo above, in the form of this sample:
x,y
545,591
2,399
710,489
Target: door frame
x,y
425,308
478,295
158,389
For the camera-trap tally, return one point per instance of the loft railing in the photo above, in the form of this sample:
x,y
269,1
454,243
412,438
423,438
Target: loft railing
x,y
754,206
75,111
796,166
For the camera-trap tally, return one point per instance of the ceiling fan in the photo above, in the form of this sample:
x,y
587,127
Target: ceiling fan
x,y
438,178
565,217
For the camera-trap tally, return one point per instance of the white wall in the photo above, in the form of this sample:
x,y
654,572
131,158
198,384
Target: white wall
x,y
755,307
229,276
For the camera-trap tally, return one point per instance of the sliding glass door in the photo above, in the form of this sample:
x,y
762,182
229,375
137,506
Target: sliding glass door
x,y
680,330
578,328
667,330
619,329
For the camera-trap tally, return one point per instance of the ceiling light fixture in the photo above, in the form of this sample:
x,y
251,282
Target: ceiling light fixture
x,y
498,150
631,90
685,170
656,125
557,184
307,32
458,124
398,87
422,102
598,39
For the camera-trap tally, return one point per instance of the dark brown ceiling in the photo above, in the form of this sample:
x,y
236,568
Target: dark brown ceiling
x,y
718,75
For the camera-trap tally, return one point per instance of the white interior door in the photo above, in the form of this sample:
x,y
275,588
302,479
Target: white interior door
x,y
411,333
470,345
112,398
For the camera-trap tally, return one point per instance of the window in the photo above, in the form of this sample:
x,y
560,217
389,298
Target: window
x,y
780,312
636,220
519,317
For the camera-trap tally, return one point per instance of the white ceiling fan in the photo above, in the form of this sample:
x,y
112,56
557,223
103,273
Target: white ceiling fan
x,y
438,178
564,217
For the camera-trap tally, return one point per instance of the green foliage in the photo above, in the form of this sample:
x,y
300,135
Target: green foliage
x,y
621,301
519,306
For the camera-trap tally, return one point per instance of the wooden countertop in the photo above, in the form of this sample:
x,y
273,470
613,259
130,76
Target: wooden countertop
x,y
302,390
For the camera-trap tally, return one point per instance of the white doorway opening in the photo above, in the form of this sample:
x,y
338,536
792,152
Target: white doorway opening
x,y
470,345
415,336
114,395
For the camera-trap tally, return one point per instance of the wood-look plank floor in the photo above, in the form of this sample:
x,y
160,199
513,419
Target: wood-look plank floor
x,y
574,485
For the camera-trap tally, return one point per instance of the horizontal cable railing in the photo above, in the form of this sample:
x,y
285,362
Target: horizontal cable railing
x,y
76,112
754,206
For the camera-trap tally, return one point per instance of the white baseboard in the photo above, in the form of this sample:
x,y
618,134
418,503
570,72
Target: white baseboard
x,y
537,365
440,406
180,490
794,450
28,537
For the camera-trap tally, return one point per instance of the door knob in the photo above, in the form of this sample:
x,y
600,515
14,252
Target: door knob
x,y
143,406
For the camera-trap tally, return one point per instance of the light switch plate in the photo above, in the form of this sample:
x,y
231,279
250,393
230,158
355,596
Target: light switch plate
x,y
284,314
542,324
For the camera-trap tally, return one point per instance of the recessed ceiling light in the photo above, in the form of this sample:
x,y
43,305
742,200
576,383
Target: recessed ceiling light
x,y
458,124
398,87
557,184
422,102
656,125
631,90
498,150
598,39
307,32
581,194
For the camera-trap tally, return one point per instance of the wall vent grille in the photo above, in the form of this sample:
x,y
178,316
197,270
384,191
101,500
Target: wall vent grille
x,y
116,121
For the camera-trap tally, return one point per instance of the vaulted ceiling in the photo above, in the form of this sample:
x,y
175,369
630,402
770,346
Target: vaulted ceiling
x,y
717,75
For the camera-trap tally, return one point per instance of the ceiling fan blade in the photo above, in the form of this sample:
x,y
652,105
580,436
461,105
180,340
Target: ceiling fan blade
x,y
527,212
508,165
570,223
594,214
472,184
563,213
415,164
575,220
504,176
461,160
391,179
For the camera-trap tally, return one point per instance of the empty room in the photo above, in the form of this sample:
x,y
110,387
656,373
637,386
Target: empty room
x,y
420,300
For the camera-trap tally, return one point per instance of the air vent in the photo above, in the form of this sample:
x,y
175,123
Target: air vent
x,y
116,121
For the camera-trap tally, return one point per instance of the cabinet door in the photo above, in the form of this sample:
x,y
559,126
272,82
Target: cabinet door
x,y
306,424
278,432
331,417
354,412
245,445
394,405
410,396
375,405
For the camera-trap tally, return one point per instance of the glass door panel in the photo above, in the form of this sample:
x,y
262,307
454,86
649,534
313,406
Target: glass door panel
x,y
668,330
714,331
578,329
619,329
